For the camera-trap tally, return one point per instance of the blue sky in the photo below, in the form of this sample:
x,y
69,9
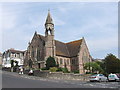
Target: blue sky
x,y
97,22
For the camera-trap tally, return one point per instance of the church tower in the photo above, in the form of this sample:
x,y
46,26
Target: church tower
x,y
49,36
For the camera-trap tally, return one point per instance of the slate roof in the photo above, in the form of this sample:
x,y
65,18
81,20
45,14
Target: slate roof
x,y
69,49
74,47
61,49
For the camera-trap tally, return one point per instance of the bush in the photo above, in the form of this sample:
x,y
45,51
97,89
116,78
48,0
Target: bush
x,y
53,69
50,62
44,68
65,70
59,69
76,71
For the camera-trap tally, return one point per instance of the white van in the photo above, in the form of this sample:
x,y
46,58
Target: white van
x,y
113,77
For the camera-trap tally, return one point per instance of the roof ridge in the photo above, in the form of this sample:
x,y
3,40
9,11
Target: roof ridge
x,y
73,41
15,50
60,41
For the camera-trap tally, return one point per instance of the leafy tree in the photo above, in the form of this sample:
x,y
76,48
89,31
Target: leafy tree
x,y
50,62
93,67
112,64
101,64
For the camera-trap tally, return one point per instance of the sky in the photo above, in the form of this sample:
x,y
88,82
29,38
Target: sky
x,y
97,22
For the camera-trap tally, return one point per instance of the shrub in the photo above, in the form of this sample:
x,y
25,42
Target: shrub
x,y
50,62
44,68
59,69
76,71
53,69
65,70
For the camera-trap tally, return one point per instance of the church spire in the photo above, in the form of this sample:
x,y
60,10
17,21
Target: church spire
x,y
49,18
49,26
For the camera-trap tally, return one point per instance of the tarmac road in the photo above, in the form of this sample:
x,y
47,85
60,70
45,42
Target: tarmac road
x,y
14,80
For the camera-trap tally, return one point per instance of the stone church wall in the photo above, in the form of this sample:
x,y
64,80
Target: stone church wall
x,y
63,62
84,57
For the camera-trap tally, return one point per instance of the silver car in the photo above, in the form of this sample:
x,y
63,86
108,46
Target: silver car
x,y
98,77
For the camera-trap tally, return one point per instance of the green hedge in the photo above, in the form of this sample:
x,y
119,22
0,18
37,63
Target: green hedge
x,y
53,69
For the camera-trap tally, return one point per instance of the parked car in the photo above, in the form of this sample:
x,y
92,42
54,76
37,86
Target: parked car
x,y
113,77
98,77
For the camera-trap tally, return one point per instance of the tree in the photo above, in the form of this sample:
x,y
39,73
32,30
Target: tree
x,y
101,64
50,62
93,67
112,64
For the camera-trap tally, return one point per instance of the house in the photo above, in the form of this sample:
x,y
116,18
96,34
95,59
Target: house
x,y
12,54
72,55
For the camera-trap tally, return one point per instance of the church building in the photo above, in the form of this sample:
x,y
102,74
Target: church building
x,y
72,55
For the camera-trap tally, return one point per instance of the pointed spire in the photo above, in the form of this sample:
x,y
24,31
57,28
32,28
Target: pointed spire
x,y
49,18
29,43
35,33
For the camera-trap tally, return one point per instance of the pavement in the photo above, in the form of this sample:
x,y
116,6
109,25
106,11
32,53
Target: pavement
x,y
14,80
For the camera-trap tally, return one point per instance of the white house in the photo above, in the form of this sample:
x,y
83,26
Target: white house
x,y
12,54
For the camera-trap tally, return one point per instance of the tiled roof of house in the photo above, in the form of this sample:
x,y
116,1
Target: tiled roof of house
x,y
69,49
15,51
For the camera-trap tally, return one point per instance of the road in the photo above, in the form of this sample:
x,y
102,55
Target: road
x,y
14,80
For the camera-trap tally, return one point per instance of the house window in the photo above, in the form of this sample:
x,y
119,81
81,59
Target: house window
x,y
73,61
76,61
15,55
33,53
38,54
57,61
61,62
68,61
